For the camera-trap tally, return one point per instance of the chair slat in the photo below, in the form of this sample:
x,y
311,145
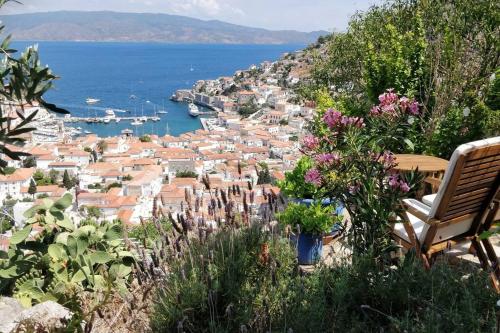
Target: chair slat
x,y
484,165
492,159
467,180
467,199
481,171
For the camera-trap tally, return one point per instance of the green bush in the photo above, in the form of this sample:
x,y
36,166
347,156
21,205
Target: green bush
x,y
186,174
231,284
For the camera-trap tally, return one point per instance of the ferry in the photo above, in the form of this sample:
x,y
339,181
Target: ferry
x,y
193,110
92,101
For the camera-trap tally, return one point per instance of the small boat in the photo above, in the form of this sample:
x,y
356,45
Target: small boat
x,y
191,69
106,120
136,122
110,113
133,97
87,132
155,118
117,120
79,128
162,112
127,132
92,101
193,110
143,119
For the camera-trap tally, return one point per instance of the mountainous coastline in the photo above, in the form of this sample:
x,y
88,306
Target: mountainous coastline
x,y
142,27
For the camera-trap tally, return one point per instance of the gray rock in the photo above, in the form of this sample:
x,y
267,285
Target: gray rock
x,y
10,309
49,315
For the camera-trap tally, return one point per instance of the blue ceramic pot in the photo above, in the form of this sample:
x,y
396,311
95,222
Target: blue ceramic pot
x,y
309,249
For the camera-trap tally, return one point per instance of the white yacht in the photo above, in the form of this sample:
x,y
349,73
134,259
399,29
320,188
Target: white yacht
x,y
92,101
110,113
136,122
106,120
87,132
155,118
193,110
161,112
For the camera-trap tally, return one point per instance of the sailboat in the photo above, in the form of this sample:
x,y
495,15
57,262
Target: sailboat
x,y
155,117
162,110
191,69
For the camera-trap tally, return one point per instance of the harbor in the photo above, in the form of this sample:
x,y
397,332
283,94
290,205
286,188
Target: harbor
x,y
108,119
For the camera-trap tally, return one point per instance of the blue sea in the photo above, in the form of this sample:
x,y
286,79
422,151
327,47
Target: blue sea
x,y
112,72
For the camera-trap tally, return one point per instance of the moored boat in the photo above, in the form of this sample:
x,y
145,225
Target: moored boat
x,y
193,110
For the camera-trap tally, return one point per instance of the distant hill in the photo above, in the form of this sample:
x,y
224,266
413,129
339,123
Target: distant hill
x,y
113,26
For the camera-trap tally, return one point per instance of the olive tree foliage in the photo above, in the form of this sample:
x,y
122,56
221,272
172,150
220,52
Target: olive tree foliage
x,y
24,82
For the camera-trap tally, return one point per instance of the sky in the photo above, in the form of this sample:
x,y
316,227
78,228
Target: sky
x,y
303,15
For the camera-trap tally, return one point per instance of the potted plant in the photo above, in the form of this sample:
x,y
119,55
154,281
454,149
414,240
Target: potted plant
x,y
310,223
297,189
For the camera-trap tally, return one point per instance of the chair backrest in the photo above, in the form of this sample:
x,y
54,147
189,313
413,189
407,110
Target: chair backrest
x,y
470,182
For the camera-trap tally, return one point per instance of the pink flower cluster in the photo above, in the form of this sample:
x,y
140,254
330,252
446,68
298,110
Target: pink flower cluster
x,y
310,142
396,183
327,159
313,176
335,119
390,103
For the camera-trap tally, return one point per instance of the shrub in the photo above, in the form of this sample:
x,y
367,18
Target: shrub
x,y
232,283
186,174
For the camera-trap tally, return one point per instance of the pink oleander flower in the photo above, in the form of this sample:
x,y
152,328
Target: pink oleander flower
x,y
388,97
327,159
332,118
313,176
394,181
375,111
403,186
404,103
388,159
310,142
414,108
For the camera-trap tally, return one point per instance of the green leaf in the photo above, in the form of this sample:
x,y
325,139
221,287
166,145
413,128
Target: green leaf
x,y
120,270
100,257
80,276
21,235
57,251
409,144
114,233
72,245
66,223
64,202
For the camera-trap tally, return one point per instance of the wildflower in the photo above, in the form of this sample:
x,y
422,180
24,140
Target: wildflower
x,y
411,120
313,176
310,142
332,118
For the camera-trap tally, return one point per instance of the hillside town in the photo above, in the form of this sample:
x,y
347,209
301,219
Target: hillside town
x,y
253,139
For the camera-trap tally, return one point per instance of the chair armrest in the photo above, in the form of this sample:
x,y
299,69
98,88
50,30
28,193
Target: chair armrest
x,y
417,209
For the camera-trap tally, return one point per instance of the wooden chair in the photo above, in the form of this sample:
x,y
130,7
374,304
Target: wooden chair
x,y
464,206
